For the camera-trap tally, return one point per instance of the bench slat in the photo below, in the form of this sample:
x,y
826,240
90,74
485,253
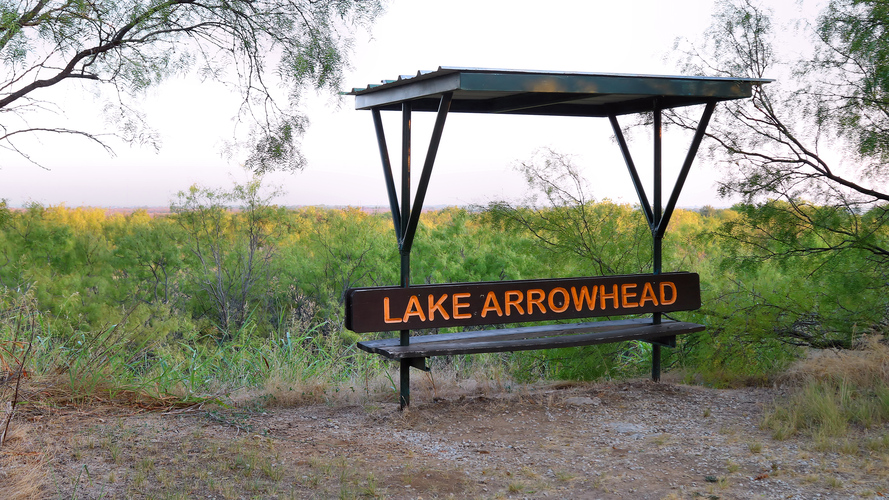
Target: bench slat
x,y
517,332
528,338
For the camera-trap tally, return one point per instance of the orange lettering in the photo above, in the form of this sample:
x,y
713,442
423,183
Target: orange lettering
x,y
414,309
539,295
386,317
491,304
516,301
664,300
612,295
647,295
625,295
552,302
436,306
584,293
457,305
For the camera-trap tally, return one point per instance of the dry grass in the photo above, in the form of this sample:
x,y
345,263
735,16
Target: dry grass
x,y
281,391
862,367
839,397
447,380
23,471
481,375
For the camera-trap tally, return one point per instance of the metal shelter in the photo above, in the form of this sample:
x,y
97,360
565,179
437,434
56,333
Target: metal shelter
x,y
515,92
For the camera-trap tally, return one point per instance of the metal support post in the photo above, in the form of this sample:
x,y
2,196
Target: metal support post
x,y
404,390
657,239
407,217
656,214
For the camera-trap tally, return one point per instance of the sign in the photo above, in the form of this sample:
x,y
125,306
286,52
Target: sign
x,y
382,309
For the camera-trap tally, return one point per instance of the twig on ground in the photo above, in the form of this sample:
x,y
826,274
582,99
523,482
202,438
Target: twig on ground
x,y
222,420
15,396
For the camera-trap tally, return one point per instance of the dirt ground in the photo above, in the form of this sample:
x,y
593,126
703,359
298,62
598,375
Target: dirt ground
x,y
627,440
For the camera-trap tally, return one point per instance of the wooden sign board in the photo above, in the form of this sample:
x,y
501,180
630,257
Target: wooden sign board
x,y
382,309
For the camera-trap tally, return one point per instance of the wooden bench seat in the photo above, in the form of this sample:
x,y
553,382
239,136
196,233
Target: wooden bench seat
x,y
528,338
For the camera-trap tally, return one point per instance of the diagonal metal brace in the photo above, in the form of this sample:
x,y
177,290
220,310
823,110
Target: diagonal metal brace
x,y
634,174
413,215
658,220
686,166
387,172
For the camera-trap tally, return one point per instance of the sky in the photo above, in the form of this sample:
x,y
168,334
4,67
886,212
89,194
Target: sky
x,y
478,153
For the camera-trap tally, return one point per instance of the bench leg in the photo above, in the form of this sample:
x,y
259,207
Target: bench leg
x,y
404,392
656,363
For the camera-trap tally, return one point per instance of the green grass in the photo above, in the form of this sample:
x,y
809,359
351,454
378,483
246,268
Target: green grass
x,y
116,365
837,396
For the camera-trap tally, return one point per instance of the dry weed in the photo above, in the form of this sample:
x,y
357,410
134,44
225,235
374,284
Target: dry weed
x,y
838,396
22,470
445,381
862,367
280,391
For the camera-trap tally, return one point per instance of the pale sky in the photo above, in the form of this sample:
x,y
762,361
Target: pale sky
x,y
477,154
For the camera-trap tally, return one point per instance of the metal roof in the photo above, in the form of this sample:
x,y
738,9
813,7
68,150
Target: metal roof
x,y
477,90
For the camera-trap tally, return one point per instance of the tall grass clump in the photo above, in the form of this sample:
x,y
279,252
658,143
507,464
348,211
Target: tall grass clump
x,y
119,364
836,393
313,367
22,471
18,327
278,370
71,368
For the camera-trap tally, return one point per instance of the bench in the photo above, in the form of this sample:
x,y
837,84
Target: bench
x,y
531,338
407,309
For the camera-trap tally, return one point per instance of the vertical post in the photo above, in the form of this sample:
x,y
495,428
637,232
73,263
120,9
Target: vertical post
x,y
404,392
657,238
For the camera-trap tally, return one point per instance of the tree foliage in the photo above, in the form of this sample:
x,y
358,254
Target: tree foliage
x,y
229,265
232,251
817,134
808,156
563,216
852,94
270,50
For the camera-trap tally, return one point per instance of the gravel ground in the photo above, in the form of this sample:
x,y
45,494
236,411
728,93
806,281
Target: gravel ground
x,y
633,439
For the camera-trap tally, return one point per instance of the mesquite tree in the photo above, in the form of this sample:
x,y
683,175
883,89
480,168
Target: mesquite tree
x,y
230,252
817,136
563,216
270,50
809,156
